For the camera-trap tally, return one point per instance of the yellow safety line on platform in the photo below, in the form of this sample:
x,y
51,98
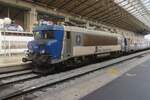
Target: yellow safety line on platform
x,y
113,71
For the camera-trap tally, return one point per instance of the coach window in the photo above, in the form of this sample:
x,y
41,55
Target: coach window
x,y
49,35
68,35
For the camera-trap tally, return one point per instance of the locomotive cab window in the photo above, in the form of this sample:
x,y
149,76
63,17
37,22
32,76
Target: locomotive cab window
x,y
37,35
48,35
44,35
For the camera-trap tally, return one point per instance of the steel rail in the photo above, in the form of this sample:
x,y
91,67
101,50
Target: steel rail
x,y
14,74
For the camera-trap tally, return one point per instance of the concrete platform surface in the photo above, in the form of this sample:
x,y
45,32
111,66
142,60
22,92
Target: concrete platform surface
x,y
10,60
133,85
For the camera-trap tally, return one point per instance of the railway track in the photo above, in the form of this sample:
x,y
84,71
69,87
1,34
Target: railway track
x,y
15,68
50,80
16,79
13,74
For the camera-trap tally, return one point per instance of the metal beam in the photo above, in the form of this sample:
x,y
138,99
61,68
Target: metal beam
x,y
119,19
89,6
64,4
89,14
94,10
109,15
76,6
122,24
49,2
55,2
106,10
109,18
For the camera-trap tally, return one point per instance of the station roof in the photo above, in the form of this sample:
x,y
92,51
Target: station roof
x,y
110,12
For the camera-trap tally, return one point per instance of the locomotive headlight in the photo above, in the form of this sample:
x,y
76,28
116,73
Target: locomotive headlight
x,y
43,51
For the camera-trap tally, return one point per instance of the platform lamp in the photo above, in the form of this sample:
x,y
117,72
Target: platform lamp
x,y
7,21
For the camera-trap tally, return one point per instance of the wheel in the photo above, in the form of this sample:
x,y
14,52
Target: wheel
x,y
44,70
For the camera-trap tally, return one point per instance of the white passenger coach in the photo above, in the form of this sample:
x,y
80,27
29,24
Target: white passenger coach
x,y
13,42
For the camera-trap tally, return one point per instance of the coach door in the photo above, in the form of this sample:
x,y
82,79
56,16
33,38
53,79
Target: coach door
x,y
68,43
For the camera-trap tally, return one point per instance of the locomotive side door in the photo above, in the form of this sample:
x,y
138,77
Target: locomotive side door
x,y
68,43
126,44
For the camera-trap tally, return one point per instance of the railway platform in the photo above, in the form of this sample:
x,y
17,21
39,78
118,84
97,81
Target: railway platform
x,y
133,85
6,61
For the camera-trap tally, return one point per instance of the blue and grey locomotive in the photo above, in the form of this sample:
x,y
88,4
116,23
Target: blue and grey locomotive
x,y
55,44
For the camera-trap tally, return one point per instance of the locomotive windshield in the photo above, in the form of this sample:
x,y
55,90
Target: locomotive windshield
x,y
37,35
44,35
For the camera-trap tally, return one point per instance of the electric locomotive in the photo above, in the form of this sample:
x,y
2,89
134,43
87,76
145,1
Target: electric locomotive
x,y
54,44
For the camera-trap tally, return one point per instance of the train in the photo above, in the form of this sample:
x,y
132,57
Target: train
x,y
13,42
59,44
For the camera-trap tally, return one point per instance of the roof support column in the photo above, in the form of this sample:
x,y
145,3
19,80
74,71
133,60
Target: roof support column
x,y
30,19
33,18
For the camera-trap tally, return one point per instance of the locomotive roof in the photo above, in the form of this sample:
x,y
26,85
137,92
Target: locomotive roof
x,y
93,32
73,29
48,27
